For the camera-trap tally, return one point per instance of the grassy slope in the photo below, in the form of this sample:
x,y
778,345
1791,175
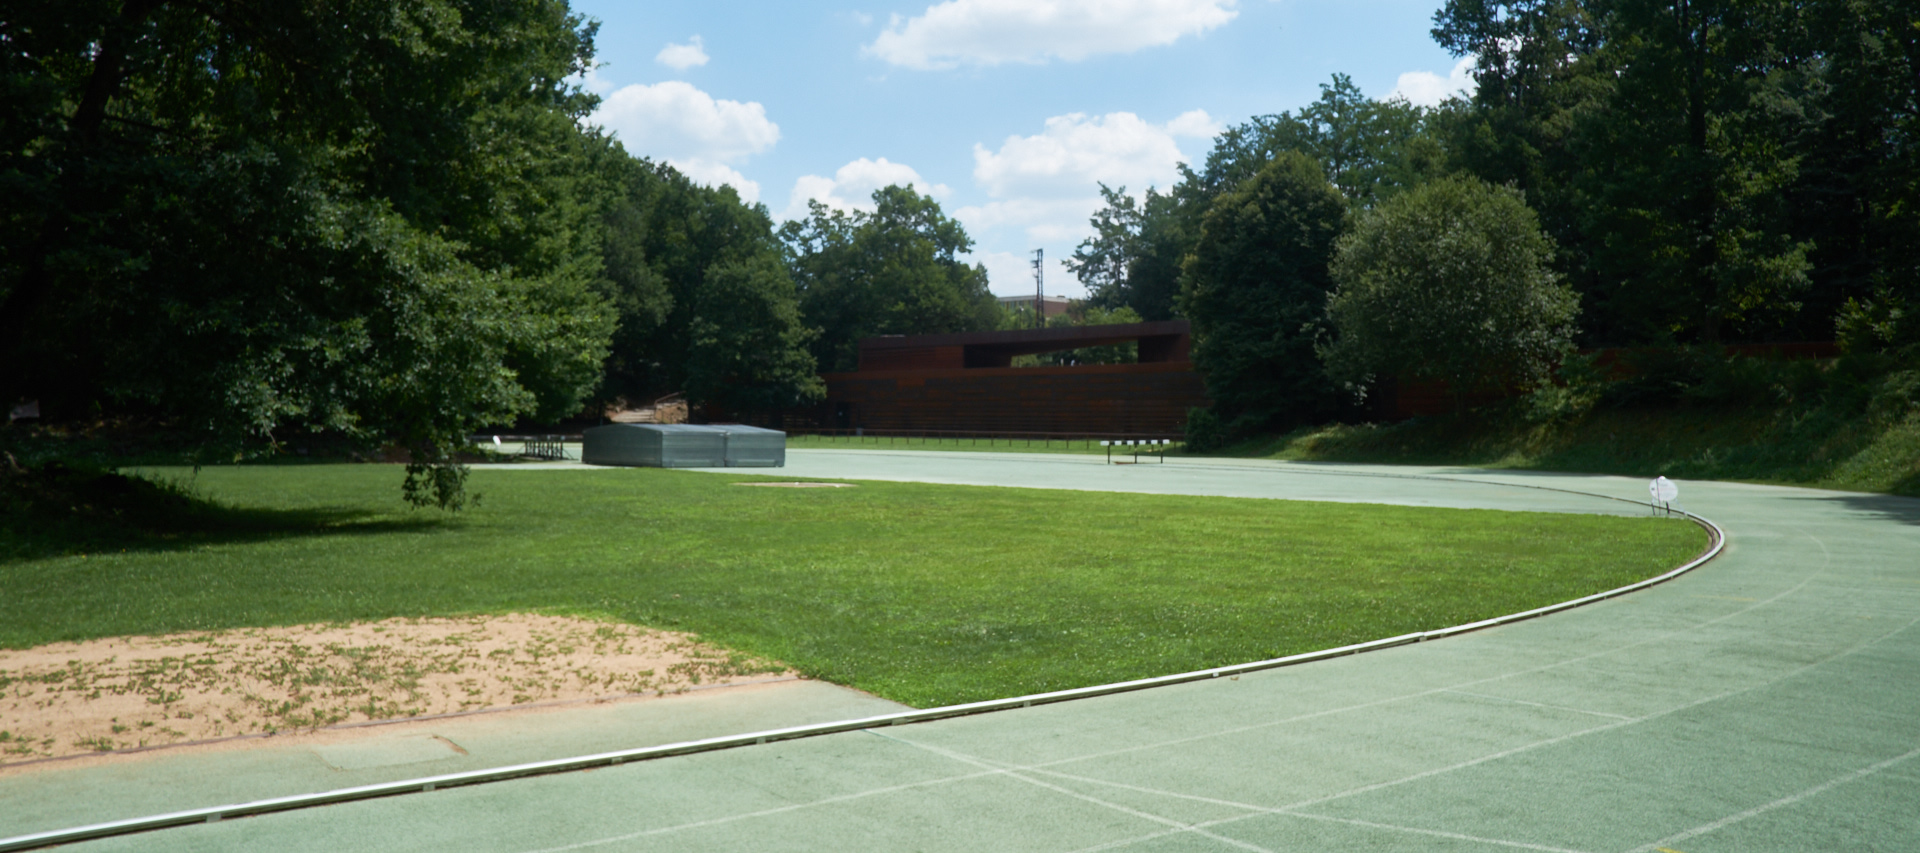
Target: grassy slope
x,y
924,594
1751,445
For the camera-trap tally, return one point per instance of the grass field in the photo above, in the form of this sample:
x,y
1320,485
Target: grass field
x,y
919,593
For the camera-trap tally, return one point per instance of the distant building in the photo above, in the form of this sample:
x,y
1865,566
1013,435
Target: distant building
x,y
966,382
1053,306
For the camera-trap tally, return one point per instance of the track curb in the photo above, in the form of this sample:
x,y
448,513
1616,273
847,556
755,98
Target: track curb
x,y
214,814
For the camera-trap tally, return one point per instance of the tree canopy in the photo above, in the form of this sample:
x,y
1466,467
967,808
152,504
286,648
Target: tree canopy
x,y
893,271
371,219
1255,288
1368,149
693,271
1711,170
1450,281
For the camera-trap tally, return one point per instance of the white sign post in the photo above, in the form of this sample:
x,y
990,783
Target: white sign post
x,y
1663,491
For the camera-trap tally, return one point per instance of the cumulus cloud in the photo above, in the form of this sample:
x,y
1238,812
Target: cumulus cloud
x,y
681,57
1012,274
1055,220
715,174
676,120
701,136
1075,152
852,186
993,32
1046,186
1427,89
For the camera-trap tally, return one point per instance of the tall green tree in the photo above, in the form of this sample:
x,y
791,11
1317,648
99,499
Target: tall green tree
x,y
746,347
1256,289
1451,281
666,235
251,218
1132,261
1686,168
1858,151
1711,169
894,271
1370,150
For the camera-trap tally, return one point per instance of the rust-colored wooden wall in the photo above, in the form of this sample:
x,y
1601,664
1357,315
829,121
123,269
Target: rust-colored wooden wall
x,y
963,382
1142,399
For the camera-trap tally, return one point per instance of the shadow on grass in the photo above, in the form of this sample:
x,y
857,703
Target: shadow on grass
x,y
55,511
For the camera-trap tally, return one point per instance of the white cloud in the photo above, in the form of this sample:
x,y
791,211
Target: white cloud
x,y
1195,123
1008,273
1060,220
675,121
678,123
992,32
1047,185
714,174
681,57
852,186
1427,89
1076,152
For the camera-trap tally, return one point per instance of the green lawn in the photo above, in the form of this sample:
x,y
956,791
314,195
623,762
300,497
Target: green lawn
x,y
920,593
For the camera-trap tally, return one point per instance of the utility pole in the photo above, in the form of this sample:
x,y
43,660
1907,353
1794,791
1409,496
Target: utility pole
x,y
1039,289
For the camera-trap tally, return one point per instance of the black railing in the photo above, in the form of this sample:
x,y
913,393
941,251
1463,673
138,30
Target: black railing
x,y
536,446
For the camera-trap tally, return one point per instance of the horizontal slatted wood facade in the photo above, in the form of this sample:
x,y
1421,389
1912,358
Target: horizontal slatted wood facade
x,y
962,382
1143,399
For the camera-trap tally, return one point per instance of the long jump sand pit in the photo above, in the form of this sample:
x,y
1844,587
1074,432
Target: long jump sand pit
x,y
121,693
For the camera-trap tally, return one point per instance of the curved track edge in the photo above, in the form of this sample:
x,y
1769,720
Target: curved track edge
x,y
1717,542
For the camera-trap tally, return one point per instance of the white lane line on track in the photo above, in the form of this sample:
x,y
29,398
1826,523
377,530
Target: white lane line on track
x,y
1512,701
1293,809
1177,826
1268,811
1861,646
1783,802
1302,717
1235,731
1238,730
891,789
1201,828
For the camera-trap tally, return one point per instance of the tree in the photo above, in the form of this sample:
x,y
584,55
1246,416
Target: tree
x,y
894,271
1369,149
1858,152
251,219
1132,260
1685,171
666,235
1451,282
1256,287
746,345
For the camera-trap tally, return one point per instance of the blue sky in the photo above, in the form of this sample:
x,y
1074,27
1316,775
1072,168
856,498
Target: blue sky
x,y
1009,112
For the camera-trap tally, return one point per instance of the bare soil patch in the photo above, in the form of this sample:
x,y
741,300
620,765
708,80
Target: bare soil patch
x,y
128,692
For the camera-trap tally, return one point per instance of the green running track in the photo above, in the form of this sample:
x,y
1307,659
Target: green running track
x,y
1768,700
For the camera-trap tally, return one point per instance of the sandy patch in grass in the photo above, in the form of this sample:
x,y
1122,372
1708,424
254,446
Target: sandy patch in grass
x,y
130,692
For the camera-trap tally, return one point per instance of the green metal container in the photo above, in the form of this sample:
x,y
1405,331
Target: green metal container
x,y
753,447
684,446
